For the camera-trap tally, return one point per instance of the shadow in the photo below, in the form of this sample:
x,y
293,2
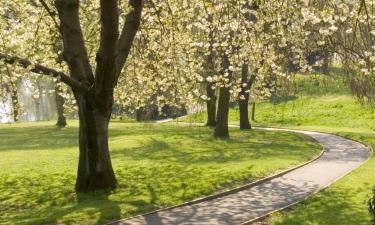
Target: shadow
x,y
182,148
49,137
166,165
235,208
339,150
38,137
328,207
283,99
94,208
106,208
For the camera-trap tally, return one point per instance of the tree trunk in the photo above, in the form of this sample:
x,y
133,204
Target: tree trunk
x,y
12,88
244,99
326,61
94,94
147,113
221,128
244,113
95,168
211,105
210,65
15,103
61,120
253,112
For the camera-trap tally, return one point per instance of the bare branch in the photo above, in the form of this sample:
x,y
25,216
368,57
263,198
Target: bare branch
x,y
50,12
158,14
40,69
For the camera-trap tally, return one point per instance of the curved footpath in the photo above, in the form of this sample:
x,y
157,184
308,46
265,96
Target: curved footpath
x,y
340,157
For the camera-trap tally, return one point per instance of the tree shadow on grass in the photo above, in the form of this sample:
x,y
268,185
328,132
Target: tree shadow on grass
x,y
46,137
94,208
201,149
108,209
328,207
283,99
100,207
52,138
38,138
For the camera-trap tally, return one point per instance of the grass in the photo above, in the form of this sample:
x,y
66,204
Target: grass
x,y
345,202
156,166
323,104
331,111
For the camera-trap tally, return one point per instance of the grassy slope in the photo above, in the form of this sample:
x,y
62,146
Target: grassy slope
x,y
324,105
344,203
156,166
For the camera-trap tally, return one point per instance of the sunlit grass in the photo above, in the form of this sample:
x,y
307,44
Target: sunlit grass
x,y
345,202
324,104
156,166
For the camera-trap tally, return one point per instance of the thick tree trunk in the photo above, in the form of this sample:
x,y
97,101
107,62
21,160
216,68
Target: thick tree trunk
x,y
244,113
95,168
94,94
211,106
61,120
211,94
244,99
221,128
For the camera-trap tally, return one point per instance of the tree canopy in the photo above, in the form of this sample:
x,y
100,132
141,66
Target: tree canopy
x,y
135,54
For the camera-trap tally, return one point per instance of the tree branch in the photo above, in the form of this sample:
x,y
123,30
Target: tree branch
x,y
106,57
50,12
157,14
40,69
75,52
128,33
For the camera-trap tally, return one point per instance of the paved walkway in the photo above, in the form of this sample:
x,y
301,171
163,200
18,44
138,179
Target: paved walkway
x,y
340,157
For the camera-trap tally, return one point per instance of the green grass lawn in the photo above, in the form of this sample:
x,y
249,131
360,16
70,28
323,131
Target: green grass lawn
x,y
345,202
323,107
156,166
